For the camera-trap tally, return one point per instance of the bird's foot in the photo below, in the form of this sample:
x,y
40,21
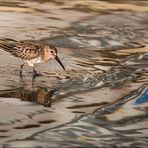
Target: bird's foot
x,y
36,75
21,74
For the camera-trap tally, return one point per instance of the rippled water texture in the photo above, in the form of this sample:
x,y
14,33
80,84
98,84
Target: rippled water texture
x,y
101,99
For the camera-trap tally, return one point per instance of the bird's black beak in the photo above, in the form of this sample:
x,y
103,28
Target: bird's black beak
x,y
58,60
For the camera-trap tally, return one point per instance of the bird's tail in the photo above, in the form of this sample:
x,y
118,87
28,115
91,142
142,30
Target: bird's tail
x,y
6,44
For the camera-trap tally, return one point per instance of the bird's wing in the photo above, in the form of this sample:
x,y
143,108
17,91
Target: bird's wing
x,y
26,50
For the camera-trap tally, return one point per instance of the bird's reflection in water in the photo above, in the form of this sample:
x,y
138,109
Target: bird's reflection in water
x,y
28,91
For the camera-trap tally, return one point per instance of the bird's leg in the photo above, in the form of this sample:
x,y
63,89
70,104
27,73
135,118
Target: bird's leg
x,y
34,73
21,68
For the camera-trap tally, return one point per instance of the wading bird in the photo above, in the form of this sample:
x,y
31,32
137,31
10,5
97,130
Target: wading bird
x,y
31,52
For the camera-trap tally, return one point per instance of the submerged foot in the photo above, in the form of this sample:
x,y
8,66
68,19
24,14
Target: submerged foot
x,y
36,75
21,74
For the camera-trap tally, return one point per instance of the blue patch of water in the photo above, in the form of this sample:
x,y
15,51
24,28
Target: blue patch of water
x,y
143,98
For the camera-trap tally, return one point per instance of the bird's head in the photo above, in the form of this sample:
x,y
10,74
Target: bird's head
x,y
50,52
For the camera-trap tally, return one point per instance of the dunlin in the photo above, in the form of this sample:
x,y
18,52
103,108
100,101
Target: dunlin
x,y
31,52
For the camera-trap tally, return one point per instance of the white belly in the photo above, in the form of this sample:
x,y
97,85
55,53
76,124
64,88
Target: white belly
x,y
34,61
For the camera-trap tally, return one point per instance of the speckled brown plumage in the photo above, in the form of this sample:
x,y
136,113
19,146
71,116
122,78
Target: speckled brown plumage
x,y
26,50
31,51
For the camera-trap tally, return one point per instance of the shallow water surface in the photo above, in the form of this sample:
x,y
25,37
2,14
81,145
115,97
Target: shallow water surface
x,y
101,99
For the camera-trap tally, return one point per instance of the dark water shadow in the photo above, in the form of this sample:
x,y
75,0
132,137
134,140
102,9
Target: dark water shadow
x,y
30,92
